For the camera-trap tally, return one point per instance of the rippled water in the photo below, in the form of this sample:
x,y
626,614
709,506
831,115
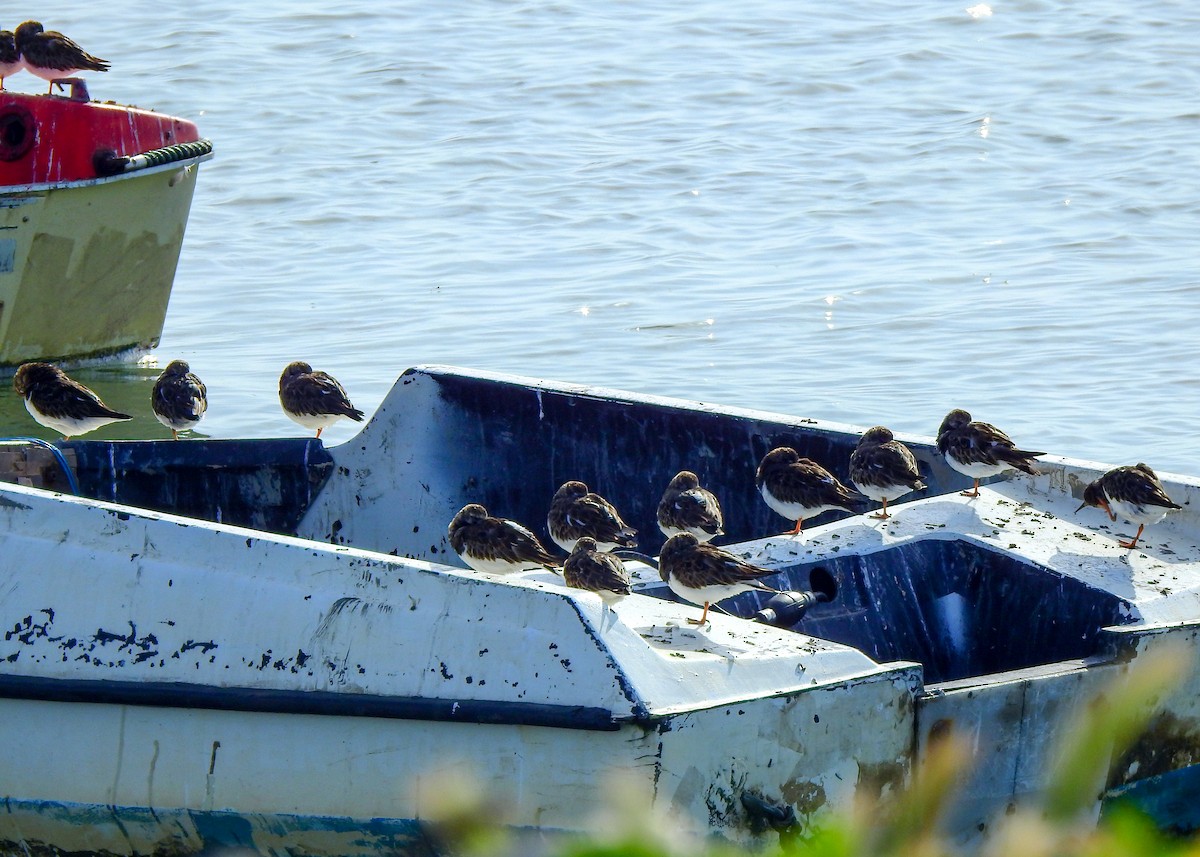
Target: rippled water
x,y
856,211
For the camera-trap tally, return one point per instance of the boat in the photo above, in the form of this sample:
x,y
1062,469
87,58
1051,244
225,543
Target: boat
x,y
94,200
269,644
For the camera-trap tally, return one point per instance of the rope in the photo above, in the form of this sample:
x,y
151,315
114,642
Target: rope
x,y
58,456
169,154
110,164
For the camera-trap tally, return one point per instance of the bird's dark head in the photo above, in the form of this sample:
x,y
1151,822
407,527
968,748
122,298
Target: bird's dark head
x,y
779,458
876,435
472,513
676,547
293,370
8,46
956,419
585,544
177,368
685,480
30,375
28,30
1093,495
570,491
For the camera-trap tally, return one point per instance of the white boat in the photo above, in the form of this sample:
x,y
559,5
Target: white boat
x,y
270,644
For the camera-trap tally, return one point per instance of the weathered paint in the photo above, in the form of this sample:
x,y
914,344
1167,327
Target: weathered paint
x,y
92,263
189,662
51,140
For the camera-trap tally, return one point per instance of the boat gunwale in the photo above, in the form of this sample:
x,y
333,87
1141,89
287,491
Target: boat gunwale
x,y
42,187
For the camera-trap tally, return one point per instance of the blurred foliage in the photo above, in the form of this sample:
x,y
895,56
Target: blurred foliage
x,y
909,823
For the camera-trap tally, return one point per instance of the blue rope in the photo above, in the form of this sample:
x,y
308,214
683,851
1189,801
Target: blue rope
x,y
59,457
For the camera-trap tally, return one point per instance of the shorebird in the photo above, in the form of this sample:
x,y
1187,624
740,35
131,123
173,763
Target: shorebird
x,y
315,400
883,468
576,512
51,55
799,488
10,57
496,545
592,569
61,404
701,573
979,449
1134,493
687,508
179,398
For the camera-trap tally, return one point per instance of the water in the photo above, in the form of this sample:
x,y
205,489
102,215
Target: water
x,y
861,212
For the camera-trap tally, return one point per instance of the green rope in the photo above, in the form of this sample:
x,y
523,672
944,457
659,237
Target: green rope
x,y
169,154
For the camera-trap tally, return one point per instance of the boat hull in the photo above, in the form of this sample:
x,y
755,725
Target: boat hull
x,y
287,649
86,268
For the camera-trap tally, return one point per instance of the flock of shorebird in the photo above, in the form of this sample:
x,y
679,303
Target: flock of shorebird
x,y
588,527
179,399
45,53
591,531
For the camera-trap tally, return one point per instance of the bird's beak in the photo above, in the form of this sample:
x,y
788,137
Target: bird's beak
x,y
1081,505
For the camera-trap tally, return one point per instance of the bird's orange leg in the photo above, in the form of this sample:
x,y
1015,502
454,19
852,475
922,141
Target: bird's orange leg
x,y
703,616
795,530
882,513
1132,544
320,430
973,492
175,434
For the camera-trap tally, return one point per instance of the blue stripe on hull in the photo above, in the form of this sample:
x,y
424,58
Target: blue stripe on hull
x,y
50,827
1172,799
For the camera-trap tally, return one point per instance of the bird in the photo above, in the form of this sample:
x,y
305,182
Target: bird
x,y
575,512
315,400
687,508
979,449
1134,493
701,573
799,488
51,55
496,545
592,569
10,57
883,468
179,399
61,404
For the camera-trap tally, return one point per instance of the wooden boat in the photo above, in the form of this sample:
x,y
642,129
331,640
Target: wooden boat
x,y
94,199
269,643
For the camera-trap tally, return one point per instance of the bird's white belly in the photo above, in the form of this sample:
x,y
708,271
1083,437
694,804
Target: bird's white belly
x,y
498,566
707,594
978,470
700,534
67,426
792,511
1137,514
314,421
879,493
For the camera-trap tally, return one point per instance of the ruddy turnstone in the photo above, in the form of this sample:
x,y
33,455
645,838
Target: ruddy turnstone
x,y
576,512
592,569
59,403
179,398
701,573
52,56
980,450
10,57
1134,493
799,488
687,508
883,468
496,545
315,400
